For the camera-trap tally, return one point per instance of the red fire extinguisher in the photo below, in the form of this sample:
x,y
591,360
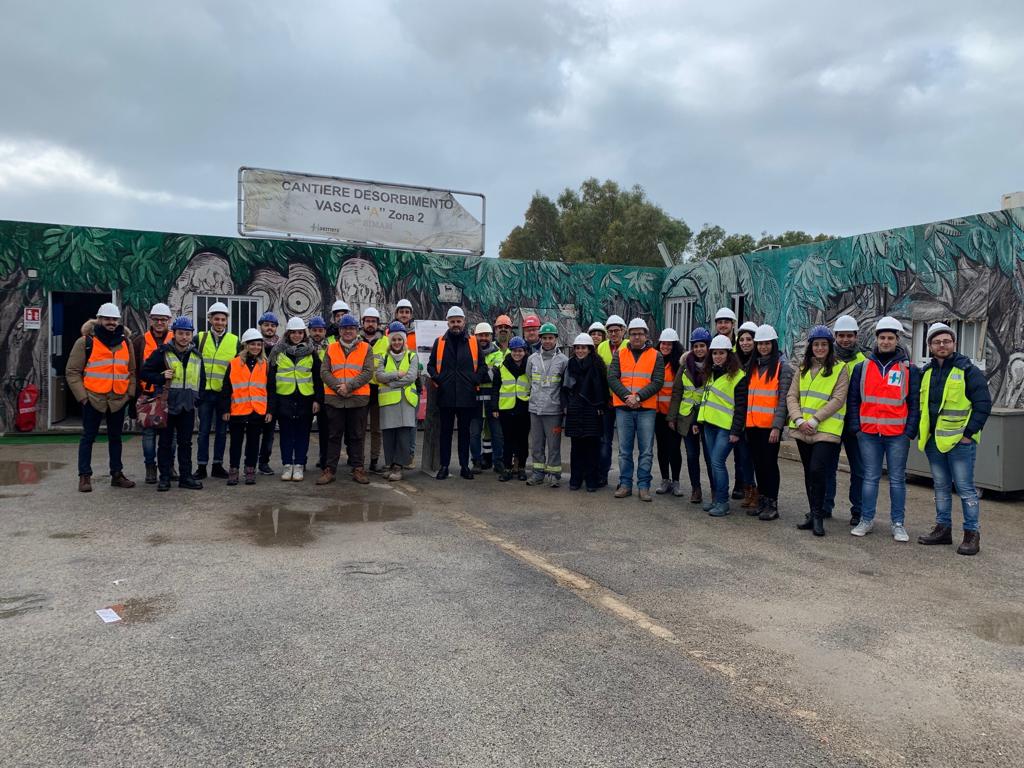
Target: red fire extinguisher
x,y
25,421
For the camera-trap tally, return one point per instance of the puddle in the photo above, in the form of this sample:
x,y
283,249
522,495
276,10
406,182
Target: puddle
x,y
16,605
1003,628
140,610
298,522
69,535
156,539
25,472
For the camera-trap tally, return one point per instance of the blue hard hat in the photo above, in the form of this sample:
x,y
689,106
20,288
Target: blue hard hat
x,y
348,321
269,317
820,332
700,335
517,342
317,322
396,327
183,323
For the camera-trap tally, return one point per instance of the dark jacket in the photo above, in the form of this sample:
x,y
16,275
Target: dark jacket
x,y
913,395
585,387
178,400
295,405
976,387
657,379
458,378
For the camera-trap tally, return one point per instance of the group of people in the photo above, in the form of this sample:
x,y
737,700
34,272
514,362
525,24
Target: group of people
x,y
513,397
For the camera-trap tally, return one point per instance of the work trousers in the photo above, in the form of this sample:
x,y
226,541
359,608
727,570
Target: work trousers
x,y
515,429
398,445
179,429
817,460
91,420
546,444
210,420
670,456
295,439
449,416
247,429
348,425
765,458
585,462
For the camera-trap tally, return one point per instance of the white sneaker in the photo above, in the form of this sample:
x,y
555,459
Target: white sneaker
x,y
899,533
863,528
289,472
298,473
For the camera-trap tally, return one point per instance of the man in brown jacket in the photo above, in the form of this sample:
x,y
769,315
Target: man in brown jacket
x,y
101,373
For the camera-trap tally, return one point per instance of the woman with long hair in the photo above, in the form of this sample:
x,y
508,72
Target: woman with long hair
x,y
296,395
243,398
687,394
746,485
768,382
722,416
586,388
670,457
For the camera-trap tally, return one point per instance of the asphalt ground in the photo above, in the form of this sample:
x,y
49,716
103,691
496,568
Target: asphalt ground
x,y
481,623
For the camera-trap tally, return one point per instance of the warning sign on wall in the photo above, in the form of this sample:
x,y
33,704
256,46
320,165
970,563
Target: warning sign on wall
x,y
33,318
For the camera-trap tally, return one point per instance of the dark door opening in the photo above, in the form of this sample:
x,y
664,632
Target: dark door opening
x,y
70,311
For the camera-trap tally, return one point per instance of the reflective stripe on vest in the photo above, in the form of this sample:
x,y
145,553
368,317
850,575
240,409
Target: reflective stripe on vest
x,y
954,412
389,395
294,375
762,396
106,370
635,374
883,401
248,387
692,396
719,401
187,376
347,366
217,358
815,391
512,388
665,393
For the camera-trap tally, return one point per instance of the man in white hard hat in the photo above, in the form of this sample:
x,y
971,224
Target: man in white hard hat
x,y
883,407
146,344
339,309
847,348
725,323
955,404
615,329
404,314
636,375
371,332
101,374
486,446
218,347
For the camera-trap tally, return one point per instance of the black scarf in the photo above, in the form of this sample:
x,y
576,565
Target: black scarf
x,y
583,378
109,338
516,369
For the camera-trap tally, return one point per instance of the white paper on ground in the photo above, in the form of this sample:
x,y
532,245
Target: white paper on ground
x,y
109,615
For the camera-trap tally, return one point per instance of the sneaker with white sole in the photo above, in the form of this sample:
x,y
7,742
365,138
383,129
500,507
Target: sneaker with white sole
x,y
298,473
899,533
289,471
863,528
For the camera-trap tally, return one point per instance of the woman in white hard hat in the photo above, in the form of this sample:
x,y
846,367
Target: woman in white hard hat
x,y
244,401
768,382
667,440
597,334
745,485
722,416
397,377
586,389
296,395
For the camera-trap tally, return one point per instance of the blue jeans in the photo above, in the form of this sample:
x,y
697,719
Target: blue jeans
x,y
606,445
894,449
718,446
955,467
744,464
476,429
294,439
149,446
856,475
638,424
209,416
91,420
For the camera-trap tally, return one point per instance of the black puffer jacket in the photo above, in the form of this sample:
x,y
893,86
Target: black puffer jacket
x,y
586,391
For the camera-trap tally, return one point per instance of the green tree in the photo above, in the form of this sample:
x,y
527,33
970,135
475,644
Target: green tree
x,y
792,237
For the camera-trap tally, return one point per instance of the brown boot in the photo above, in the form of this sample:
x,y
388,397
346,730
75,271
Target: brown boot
x,y
750,497
696,497
118,480
359,475
85,483
941,534
971,544
326,476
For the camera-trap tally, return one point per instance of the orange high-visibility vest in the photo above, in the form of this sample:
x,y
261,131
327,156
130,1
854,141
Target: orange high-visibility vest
x,y
636,374
149,349
665,393
410,340
248,388
347,366
762,396
883,400
106,370
474,350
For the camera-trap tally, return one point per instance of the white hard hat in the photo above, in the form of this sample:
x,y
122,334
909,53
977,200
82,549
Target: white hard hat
x,y
455,312
371,312
483,328
637,323
748,326
403,303
846,323
218,306
597,327
340,306
721,342
936,328
615,320
725,314
765,333
668,334
160,310
252,334
888,324
295,324
109,310
583,340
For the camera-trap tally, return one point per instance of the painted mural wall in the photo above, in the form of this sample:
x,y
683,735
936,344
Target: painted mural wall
x,y
291,278
969,269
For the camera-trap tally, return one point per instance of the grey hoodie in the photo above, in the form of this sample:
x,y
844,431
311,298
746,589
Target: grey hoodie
x,y
544,371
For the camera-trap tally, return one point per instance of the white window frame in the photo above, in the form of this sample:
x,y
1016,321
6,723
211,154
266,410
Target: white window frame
x,y
739,305
683,325
235,317
969,333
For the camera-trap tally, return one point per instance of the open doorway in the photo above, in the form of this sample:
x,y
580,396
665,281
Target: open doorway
x,y
68,313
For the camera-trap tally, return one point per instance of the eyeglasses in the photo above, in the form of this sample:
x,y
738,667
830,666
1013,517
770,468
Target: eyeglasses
x,y
943,342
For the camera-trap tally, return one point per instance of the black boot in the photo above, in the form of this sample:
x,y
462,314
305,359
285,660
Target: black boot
x,y
187,481
442,474
941,534
218,471
818,522
200,472
807,524
151,474
738,490
770,511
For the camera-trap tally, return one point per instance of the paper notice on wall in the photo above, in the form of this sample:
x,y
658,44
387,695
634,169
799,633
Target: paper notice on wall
x,y
427,332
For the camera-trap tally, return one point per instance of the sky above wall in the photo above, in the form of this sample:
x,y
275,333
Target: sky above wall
x,y
822,116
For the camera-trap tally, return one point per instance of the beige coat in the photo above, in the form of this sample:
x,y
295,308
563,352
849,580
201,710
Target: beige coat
x,y
76,364
837,401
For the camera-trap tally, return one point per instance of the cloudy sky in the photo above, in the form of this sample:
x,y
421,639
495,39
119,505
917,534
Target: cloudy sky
x,y
823,116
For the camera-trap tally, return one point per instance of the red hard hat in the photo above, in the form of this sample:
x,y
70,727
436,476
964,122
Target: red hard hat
x,y
531,321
